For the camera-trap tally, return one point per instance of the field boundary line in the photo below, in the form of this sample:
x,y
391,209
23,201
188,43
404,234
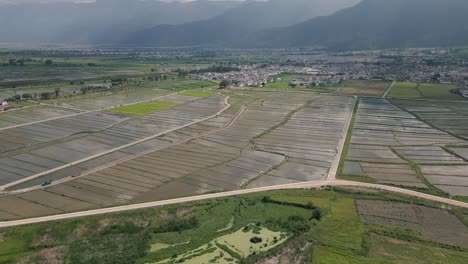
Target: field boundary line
x,y
302,185
341,144
389,89
4,187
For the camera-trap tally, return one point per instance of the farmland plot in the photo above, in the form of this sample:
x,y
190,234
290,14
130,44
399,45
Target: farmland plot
x,y
29,135
91,103
104,137
309,139
387,141
451,179
433,224
219,161
32,114
371,88
448,116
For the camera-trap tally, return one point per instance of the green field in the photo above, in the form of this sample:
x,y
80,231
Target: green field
x,y
197,94
362,87
192,85
222,230
281,85
424,91
143,108
288,76
404,90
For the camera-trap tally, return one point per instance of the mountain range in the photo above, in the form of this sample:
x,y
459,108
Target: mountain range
x,y
332,24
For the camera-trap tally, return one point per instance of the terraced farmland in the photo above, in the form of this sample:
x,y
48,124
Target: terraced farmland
x,y
390,146
219,154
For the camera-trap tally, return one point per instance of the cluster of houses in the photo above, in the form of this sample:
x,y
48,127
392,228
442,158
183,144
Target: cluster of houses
x,y
258,76
3,106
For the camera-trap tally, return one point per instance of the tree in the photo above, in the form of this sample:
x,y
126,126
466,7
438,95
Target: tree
x,y
16,98
266,199
27,96
317,214
256,240
224,84
46,95
57,92
49,62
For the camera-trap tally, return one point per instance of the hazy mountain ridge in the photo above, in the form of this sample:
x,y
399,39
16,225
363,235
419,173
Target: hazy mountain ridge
x,y
104,21
381,24
237,23
371,24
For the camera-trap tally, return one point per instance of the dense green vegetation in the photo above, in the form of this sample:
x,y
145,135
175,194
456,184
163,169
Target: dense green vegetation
x,y
152,235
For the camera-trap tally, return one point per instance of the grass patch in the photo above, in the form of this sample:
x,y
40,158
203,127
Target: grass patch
x,y
191,85
425,91
288,76
277,85
404,90
196,94
143,108
363,87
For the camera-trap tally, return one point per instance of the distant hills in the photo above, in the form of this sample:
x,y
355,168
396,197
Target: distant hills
x,y
380,24
237,23
333,24
101,22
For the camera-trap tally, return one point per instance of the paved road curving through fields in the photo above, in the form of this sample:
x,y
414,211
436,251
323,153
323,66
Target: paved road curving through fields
x,y
304,185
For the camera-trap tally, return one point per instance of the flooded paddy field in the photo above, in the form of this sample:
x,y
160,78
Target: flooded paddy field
x,y
76,139
392,146
448,116
204,157
32,114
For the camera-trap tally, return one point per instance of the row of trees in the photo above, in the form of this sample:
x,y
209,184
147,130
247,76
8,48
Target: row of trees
x,y
29,96
22,62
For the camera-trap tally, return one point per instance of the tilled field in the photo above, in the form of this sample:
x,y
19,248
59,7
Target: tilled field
x,y
433,224
78,138
451,179
309,139
388,143
32,114
220,160
448,116
112,100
